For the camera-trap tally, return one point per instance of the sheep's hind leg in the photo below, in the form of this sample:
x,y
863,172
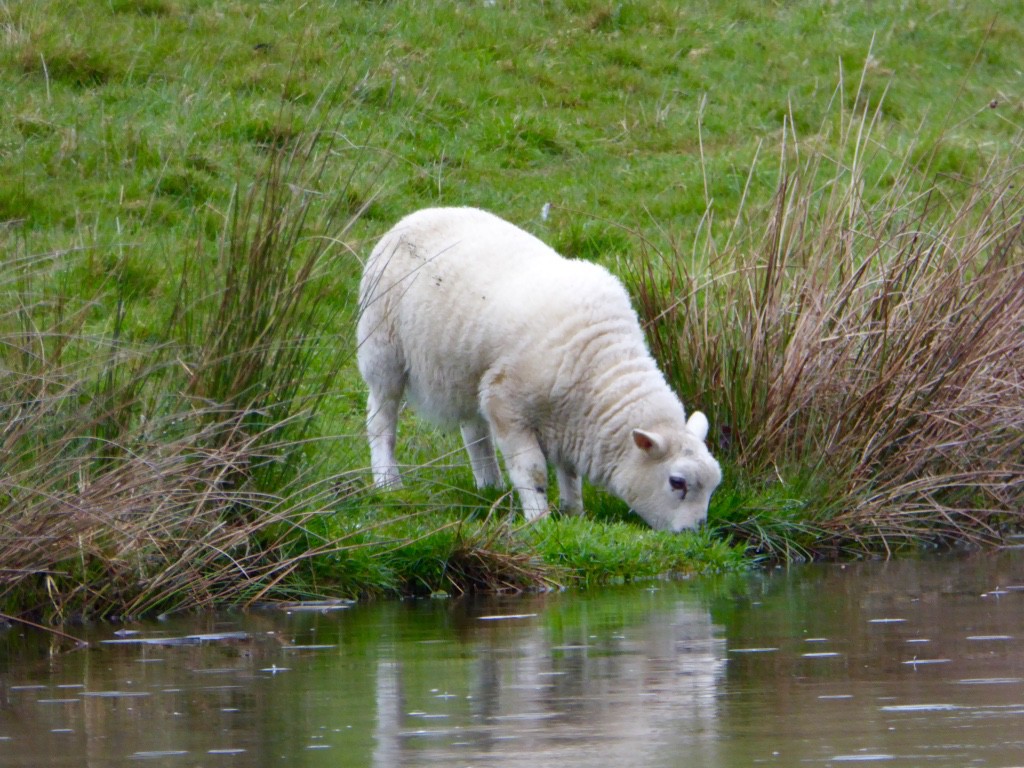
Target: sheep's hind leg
x,y
570,491
381,430
477,436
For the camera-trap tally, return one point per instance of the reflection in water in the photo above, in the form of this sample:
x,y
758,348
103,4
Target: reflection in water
x,y
586,690
906,664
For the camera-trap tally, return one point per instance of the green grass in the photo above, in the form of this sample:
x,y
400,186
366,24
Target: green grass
x,y
187,189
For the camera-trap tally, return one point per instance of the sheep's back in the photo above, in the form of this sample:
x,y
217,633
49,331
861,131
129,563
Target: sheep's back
x,y
467,291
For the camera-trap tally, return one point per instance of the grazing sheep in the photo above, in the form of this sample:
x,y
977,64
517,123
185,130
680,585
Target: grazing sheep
x,y
482,325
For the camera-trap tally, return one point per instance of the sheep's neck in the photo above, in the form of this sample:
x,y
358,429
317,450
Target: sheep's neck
x,y
592,420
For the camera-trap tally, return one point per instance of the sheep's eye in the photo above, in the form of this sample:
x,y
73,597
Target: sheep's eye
x,y
678,484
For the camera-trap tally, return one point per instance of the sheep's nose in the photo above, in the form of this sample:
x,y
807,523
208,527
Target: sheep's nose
x,y
695,526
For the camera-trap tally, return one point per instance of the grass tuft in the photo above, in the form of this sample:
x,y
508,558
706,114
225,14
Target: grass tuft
x,y
141,475
857,343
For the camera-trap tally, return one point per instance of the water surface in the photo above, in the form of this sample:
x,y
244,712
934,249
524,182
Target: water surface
x,y
903,664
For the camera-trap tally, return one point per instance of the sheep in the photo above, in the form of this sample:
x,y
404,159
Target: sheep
x,y
481,325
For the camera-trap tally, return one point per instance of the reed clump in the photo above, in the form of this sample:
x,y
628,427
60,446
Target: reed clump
x,y
859,344
140,476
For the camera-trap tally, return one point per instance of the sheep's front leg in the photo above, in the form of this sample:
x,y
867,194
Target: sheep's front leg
x,y
477,437
527,469
518,443
570,491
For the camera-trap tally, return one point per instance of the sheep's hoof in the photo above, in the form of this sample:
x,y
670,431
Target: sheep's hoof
x,y
388,481
532,517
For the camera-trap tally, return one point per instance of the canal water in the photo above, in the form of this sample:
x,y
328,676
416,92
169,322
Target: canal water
x,y
899,663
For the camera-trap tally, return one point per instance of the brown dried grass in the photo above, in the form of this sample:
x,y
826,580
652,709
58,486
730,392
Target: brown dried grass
x,y
867,338
140,476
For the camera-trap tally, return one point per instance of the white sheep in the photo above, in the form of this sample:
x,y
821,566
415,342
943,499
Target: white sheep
x,y
480,324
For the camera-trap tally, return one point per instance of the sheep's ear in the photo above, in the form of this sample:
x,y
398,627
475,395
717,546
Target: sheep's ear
x,y
650,443
697,424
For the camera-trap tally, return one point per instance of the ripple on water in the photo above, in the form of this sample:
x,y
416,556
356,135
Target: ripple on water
x,y
317,606
865,758
158,753
197,639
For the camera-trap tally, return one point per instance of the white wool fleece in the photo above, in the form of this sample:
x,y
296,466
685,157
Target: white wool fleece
x,y
480,324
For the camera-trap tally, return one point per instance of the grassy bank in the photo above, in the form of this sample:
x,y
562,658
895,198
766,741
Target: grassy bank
x,y
815,207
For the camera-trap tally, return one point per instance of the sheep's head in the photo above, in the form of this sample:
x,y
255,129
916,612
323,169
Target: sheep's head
x,y
668,479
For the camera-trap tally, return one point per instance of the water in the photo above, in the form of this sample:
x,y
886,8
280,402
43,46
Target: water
x,y
900,664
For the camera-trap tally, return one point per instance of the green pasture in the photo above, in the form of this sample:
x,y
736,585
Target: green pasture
x,y
816,206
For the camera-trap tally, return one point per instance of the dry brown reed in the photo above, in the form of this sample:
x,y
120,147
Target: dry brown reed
x,y
138,476
864,336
